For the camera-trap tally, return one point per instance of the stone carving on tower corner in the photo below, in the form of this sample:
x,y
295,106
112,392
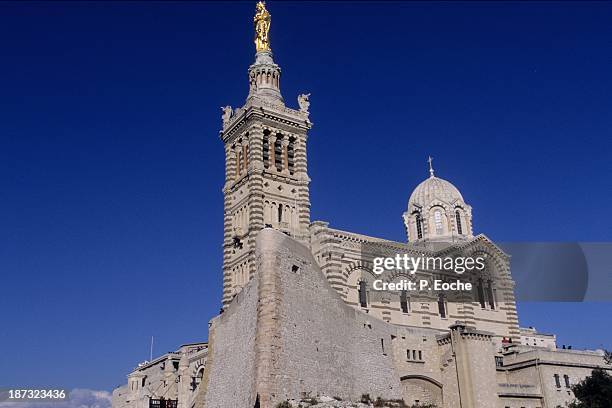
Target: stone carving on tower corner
x,y
227,114
304,103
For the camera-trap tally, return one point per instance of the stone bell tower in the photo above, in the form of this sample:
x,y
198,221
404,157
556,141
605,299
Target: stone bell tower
x,y
266,179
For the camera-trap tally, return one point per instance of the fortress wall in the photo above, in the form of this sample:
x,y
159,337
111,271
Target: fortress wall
x,y
518,382
560,396
452,396
309,340
229,379
578,357
417,340
482,378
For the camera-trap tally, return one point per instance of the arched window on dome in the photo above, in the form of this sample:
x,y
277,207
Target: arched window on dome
x,y
438,222
458,219
419,226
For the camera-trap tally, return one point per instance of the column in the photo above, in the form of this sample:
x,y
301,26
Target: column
x,y
228,201
255,212
245,157
238,152
272,152
285,154
300,172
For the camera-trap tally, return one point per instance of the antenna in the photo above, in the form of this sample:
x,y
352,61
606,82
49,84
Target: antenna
x,y
151,355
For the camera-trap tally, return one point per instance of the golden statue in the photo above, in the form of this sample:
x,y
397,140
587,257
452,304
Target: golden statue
x,y
262,27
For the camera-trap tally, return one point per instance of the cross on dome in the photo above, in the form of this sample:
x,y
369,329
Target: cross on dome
x,y
431,170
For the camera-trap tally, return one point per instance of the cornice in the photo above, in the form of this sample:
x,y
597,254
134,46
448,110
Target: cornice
x,y
257,108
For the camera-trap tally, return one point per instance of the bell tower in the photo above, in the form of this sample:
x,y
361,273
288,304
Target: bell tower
x,y
266,179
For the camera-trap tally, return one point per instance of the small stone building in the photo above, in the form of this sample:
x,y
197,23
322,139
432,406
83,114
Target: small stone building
x,y
172,378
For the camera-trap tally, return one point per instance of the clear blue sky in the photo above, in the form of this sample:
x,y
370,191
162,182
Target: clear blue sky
x,y
111,166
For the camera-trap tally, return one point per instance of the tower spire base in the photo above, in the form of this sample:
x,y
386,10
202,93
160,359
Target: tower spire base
x,y
264,78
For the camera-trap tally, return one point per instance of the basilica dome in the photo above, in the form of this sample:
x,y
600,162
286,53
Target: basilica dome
x,y
434,188
437,212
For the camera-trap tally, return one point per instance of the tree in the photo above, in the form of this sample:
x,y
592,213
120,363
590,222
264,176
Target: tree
x,y
594,391
608,356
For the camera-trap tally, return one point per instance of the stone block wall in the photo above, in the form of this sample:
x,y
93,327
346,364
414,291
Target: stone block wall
x,y
309,340
229,378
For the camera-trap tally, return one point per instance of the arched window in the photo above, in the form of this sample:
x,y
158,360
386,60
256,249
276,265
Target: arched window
x,y
480,290
280,213
458,219
266,148
278,152
267,213
291,154
491,295
363,296
441,306
419,226
438,222
195,381
404,302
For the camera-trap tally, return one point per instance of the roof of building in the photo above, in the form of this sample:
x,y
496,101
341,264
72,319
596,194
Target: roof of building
x,y
434,188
